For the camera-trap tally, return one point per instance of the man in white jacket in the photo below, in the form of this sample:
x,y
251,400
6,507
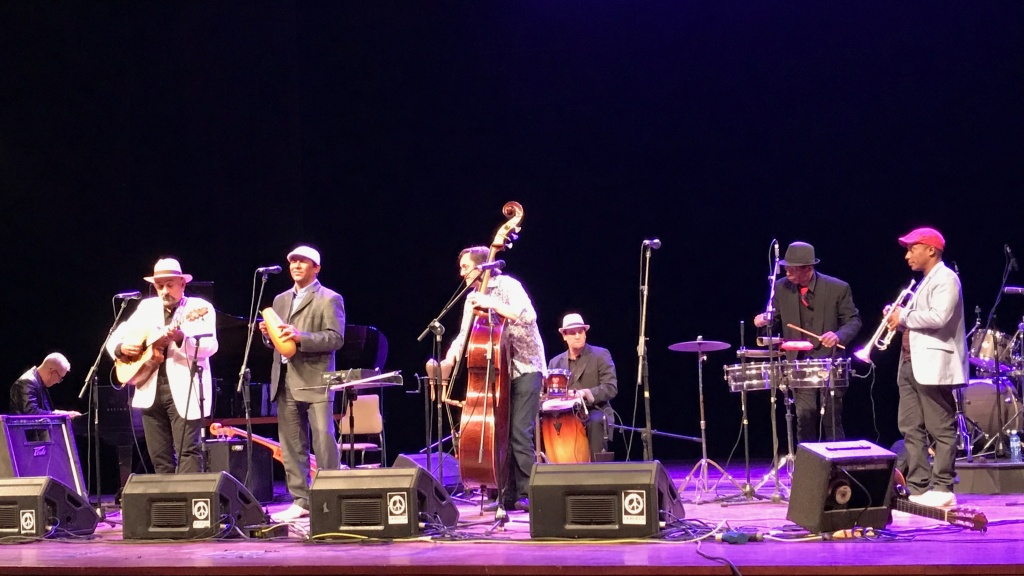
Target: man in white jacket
x,y
169,340
933,362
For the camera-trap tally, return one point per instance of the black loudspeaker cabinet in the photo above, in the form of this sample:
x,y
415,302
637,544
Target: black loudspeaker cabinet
x,y
37,505
40,446
378,502
231,456
185,506
451,477
602,500
840,485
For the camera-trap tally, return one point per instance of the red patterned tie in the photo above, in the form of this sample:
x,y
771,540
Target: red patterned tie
x,y
803,296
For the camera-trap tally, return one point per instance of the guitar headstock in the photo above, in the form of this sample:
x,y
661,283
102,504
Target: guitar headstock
x,y
197,314
967,517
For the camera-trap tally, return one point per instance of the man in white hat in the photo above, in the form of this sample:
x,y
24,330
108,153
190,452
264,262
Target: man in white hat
x,y
592,377
171,337
30,393
314,318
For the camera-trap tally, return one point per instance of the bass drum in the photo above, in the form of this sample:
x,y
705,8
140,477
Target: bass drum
x,y
990,403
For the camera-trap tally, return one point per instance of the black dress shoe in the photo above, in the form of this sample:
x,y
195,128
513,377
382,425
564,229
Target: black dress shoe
x,y
523,504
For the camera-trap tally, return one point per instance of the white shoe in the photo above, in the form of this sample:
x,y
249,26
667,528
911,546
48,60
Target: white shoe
x,y
290,513
935,499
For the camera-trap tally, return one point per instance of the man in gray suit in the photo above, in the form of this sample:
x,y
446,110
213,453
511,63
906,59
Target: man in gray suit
x,y
313,317
593,378
933,361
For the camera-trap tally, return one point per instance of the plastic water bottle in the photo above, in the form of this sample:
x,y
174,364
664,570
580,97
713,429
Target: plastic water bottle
x,y
1014,446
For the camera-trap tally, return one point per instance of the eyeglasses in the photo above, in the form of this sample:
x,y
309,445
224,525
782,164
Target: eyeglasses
x,y
60,377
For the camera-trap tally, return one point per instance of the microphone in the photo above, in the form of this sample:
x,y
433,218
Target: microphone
x,y
133,295
654,244
269,270
496,265
1013,290
1013,261
776,251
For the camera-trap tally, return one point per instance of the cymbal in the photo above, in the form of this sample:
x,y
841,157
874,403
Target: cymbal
x,y
800,345
699,345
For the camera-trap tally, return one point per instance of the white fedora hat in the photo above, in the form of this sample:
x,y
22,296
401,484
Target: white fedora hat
x,y
573,321
167,268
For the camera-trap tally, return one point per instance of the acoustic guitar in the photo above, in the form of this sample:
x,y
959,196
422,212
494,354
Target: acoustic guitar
x,y
222,431
136,370
963,516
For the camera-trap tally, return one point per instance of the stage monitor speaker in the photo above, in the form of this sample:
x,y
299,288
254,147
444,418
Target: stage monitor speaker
x,y
378,502
40,446
452,477
602,500
840,485
185,506
42,506
230,456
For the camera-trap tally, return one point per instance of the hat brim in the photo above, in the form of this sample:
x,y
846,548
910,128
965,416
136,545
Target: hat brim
x,y
785,263
573,327
151,279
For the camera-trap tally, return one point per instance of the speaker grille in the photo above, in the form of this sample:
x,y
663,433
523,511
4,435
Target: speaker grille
x,y
169,514
361,511
591,509
9,518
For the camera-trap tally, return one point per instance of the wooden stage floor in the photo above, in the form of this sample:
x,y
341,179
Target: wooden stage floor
x,y
909,545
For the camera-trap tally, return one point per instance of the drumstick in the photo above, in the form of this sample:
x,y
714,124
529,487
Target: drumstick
x,y
809,333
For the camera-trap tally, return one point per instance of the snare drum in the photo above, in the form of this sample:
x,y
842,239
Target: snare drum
x,y
991,351
749,376
813,373
556,382
990,403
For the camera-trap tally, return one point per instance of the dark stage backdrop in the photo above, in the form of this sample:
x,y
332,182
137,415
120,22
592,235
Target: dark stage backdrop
x,y
389,134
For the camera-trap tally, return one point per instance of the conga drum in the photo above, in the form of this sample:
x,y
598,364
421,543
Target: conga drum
x,y
563,430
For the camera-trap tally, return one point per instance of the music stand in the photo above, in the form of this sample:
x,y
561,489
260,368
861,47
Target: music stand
x,y
339,381
700,346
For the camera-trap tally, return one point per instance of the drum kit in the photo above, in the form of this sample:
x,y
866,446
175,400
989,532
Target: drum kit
x,y
989,408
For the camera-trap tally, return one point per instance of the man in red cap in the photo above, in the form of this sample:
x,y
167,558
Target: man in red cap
x,y
933,361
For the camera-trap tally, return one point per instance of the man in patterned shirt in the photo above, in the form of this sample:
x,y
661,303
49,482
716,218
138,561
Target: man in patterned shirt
x,y
506,297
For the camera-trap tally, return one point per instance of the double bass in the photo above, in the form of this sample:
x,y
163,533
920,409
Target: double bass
x,y
484,426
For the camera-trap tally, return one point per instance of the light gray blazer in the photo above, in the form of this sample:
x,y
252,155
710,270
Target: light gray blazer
x,y
938,352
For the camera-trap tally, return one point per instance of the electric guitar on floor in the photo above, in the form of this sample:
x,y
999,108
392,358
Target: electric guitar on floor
x,y
963,516
222,431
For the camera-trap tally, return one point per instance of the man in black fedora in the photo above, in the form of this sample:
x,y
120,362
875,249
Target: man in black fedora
x,y
821,305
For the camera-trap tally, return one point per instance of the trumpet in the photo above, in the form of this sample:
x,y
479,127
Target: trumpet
x,y
883,335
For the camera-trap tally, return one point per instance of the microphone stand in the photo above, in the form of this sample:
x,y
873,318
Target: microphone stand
x,y
642,379
244,376
94,407
975,349
437,383
775,378
196,375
